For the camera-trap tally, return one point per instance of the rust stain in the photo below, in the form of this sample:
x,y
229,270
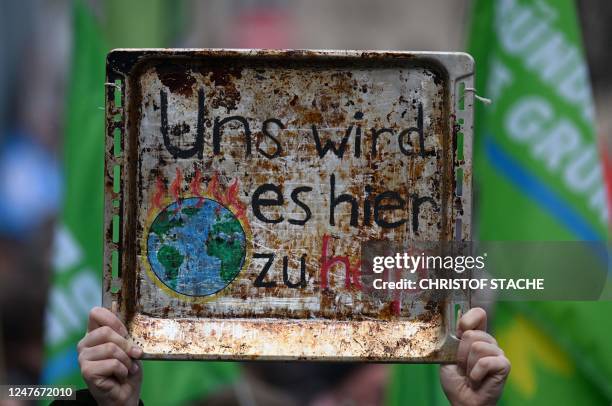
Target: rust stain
x,y
243,339
176,79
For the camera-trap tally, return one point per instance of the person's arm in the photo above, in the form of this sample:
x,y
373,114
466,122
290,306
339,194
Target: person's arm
x,y
109,363
479,376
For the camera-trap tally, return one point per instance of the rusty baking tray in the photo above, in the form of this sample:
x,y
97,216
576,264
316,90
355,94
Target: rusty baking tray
x,y
241,185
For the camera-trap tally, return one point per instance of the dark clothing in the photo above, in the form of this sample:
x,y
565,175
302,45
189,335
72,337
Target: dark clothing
x,y
83,398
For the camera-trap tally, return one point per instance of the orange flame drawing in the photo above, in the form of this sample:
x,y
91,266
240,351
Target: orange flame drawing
x,y
227,196
196,183
175,188
232,199
160,193
195,187
213,189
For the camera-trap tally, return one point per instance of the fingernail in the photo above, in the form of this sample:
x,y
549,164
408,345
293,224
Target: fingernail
x,y
136,351
134,368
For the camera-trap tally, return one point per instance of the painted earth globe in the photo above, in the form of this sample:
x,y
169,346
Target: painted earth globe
x,y
196,246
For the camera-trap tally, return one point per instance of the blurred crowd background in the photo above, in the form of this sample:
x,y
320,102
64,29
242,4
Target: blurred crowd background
x,y
36,54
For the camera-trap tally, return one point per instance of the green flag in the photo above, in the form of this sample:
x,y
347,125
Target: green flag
x,y
76,286
415,385
539,177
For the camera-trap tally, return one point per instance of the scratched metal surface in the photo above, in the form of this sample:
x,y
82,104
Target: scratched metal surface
x,y
202,130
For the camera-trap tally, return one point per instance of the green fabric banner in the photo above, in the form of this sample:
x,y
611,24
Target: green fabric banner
x,y
77,278
539,177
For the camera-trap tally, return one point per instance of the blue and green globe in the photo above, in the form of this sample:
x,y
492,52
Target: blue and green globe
x,y
196,246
